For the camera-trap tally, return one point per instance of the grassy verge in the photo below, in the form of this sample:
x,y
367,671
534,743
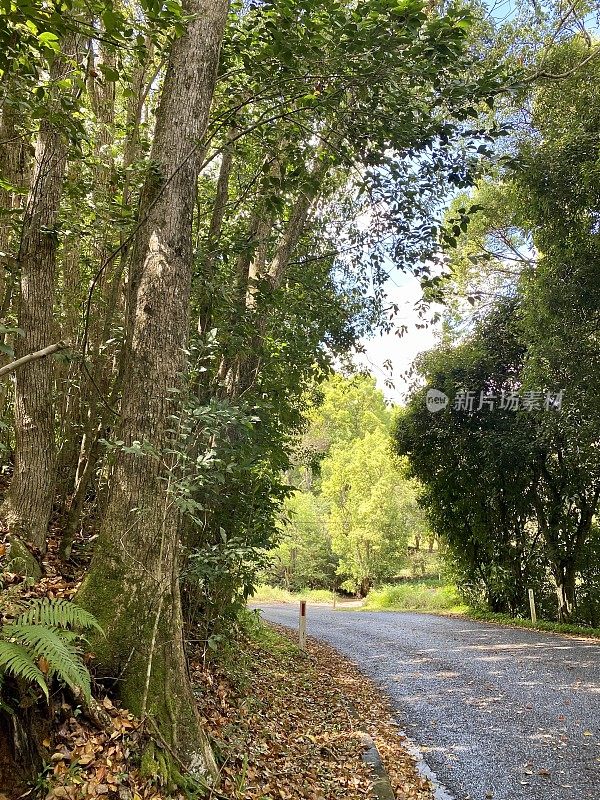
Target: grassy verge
x,y
417,595
540,625
429,596
273,594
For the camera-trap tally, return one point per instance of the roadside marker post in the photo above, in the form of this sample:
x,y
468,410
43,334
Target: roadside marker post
x,y
302,626
532,606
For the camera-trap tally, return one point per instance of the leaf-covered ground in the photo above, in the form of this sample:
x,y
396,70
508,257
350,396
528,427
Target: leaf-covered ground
x,y
291,726
285,725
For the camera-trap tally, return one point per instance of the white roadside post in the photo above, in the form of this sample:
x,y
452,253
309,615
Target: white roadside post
x,y
532,606
302,626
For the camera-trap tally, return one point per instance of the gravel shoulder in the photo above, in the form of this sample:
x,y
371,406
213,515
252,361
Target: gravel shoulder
x,y
498,713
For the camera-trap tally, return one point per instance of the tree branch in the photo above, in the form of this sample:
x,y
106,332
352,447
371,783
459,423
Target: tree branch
x,y
20,362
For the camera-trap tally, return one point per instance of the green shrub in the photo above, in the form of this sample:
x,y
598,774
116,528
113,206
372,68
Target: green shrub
x,y
425,595
274,594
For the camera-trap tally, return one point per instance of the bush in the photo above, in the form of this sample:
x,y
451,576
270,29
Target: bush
x,y
273,594
424,595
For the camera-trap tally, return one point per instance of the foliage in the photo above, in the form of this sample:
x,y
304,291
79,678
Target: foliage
x,y
514,494
477,467
344,409
415,595
304,556
349,522
218,581
368,528
336,131
265,593
42,643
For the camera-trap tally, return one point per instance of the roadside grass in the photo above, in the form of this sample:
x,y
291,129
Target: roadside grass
x,y
274,594
540,625
416,595
264,636
425,595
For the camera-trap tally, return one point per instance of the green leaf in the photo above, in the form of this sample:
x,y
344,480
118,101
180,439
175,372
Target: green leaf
x,y
109,73
48,39
57,614
16,660
62,656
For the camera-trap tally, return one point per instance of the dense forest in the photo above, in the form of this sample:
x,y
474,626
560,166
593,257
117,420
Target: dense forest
x,y
201,205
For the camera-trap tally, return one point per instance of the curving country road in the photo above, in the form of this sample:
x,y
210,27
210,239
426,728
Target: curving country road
x,y
500,713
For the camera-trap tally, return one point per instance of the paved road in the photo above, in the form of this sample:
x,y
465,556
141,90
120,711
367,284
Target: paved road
x,y
498,712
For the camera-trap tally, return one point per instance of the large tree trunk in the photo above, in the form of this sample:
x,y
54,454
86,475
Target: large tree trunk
x,y
133,583
29,500
13,171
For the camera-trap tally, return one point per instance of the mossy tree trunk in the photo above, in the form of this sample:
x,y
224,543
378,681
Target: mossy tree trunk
x,y
133,583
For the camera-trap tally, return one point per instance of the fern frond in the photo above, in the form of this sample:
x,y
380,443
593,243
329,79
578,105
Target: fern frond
x,y
17,661
63,657
57,614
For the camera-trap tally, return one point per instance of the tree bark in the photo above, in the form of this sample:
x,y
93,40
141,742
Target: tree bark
x,y
14,158
80,467
133,583
99,360
29,500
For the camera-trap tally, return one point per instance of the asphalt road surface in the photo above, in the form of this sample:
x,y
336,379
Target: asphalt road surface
x,y
497,712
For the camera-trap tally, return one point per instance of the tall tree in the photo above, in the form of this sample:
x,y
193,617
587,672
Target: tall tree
x,y
29,501
133,584
367,524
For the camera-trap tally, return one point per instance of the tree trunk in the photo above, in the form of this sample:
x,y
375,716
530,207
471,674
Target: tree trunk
x,y
29,500
564,547
241,374
133,583
13,171
80,467
565,576
21,750
78,472
13,160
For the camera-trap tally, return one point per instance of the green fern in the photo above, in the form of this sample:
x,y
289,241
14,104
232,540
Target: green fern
x,y
63,658
45,631
57,614
15,660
